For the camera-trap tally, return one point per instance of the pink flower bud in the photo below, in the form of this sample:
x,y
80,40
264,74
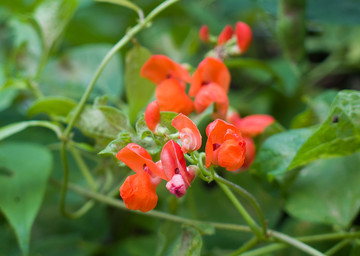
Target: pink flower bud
x,y
176,186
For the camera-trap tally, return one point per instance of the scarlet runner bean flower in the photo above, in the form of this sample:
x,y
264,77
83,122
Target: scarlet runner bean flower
x,y
210,70
204,34
225,146
139,190
171,96
188,132
250,126
243,35
174,166
152,115
212,93
225,35
171,79
160,67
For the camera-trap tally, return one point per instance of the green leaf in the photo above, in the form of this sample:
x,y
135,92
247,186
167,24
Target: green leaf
x,y
7,97
59,106
13,128
138,89
339,135
327,191
22,191
52,18
75,69
317,111
188,244
165,121
116,145
103,122
278,151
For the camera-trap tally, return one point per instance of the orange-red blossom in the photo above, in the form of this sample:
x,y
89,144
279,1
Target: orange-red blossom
x,y
225,146
210,84
139,190
250,126
170,78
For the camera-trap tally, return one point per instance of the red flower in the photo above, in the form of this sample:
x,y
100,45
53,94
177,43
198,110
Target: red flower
x,y
139,193
204,34
139,190
139,160
171,96
173,162
225,35
225,146
254,125
243,35
159,68
188,132
212,93
152,115
210,70
250,152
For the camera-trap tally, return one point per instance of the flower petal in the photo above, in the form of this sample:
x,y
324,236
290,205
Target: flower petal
x,y
225,35
212,93
171,96
231,154
218,133
204,33
189,133
243,35
152,115
210,70
137,158
254,124
160,67
173,162
139,193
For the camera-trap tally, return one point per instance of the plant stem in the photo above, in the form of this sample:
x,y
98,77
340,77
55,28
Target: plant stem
x,y
295,243
249,220
337,247
224,226
265,250
83,168
157,214
79,108
248,245
246,195
123,41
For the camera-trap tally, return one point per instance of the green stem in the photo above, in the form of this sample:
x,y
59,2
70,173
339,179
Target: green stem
x,y
295,243
327,237
265,250
123,41
83,168
65,136
224,226
249,220
337,247
247,196
247,246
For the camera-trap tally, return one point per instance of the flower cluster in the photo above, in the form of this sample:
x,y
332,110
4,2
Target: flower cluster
x,y
139,190
209,84
243,36
229,143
